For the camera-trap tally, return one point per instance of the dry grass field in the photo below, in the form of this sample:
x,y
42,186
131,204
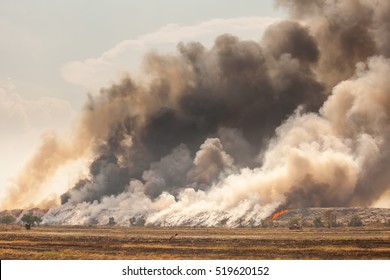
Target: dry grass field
x,y
193,243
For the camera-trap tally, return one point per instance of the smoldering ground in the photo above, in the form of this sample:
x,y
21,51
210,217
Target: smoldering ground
x,y
227,134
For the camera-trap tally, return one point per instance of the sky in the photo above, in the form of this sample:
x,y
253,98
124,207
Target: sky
x,y
54,53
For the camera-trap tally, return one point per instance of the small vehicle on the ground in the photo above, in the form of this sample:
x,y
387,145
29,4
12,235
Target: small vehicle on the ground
x,y
295,226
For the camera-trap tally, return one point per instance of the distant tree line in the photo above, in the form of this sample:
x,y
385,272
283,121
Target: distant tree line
x,y
8,219
329,220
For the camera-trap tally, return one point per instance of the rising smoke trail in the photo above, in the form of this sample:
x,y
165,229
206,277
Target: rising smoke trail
x,y
227,135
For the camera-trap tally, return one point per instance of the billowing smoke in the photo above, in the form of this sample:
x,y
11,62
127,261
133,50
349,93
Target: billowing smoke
x,y
224,136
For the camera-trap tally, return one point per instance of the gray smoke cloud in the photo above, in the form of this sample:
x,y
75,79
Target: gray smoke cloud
x,y
347,32
223,136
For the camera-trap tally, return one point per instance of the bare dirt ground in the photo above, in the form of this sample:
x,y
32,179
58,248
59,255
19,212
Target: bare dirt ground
x,y
194,243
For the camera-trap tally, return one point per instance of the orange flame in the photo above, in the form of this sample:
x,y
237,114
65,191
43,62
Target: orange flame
x,y
277,214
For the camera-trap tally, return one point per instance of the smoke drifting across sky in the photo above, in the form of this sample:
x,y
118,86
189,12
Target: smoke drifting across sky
x,y
224,136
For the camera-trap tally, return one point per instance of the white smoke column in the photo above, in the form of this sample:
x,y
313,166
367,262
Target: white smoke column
x,y
359,112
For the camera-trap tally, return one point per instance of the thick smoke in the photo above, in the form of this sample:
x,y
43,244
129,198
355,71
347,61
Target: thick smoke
x,y
347,32
226,135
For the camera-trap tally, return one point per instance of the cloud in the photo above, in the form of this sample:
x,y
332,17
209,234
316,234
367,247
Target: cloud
x,y
125,57
19,115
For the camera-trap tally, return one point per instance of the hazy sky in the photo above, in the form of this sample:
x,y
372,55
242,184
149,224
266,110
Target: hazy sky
x,y
40,36
53,52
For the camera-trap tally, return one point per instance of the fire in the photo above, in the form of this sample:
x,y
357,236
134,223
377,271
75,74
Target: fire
x,y
277,214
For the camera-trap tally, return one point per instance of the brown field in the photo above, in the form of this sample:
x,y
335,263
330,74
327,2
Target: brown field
x,y
193,243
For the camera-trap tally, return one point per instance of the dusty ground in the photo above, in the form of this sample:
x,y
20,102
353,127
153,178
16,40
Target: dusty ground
x,y
190,243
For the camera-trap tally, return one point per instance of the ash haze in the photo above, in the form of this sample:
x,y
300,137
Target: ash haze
x,y
224,131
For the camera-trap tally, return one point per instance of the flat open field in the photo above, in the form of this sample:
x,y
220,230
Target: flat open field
x,y
194,243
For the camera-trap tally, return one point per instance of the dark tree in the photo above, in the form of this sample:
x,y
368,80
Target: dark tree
x,y
31,220
355,221
317,222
